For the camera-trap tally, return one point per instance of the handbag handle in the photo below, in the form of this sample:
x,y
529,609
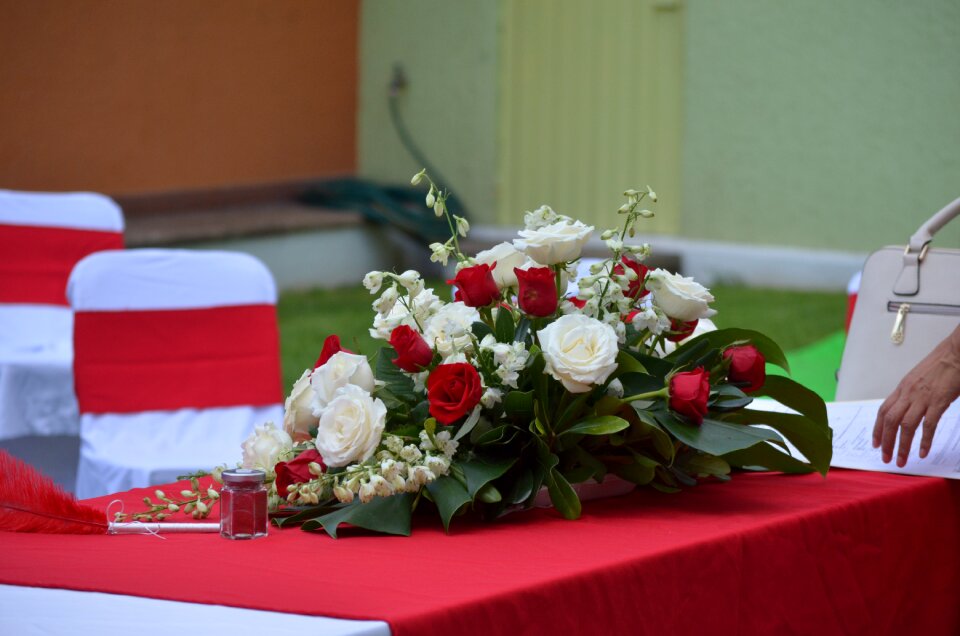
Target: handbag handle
x,y
925,232
908,282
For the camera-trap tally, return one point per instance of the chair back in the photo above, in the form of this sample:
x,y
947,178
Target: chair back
x,y
42,236
176,359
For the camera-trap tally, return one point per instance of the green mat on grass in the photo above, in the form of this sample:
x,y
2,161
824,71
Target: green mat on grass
x,y
815,366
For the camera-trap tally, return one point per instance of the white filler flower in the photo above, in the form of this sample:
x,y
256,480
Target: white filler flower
x,y
579,351
555,243
679,297
351,427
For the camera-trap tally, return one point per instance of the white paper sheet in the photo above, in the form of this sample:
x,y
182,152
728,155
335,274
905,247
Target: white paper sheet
x,y
852,424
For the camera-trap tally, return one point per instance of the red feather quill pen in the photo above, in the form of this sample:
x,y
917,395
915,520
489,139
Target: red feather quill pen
x,y
31,502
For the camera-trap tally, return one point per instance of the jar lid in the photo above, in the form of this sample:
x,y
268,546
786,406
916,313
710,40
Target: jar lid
x,y
243,476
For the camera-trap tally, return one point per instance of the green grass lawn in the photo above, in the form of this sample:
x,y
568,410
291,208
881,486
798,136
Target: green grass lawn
x,y
793,319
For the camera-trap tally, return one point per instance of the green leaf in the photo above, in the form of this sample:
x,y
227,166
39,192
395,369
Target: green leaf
x,y
705,465
480,472
572,410
522,487
640,472
810,438
715,437
481,329
562,495
600,425
306,514
688,353
397,382
504,326
726,337
637,383
390,515
523,330
767,457
626,363
449,495
649,427
518,403
497,435
794,395
489,494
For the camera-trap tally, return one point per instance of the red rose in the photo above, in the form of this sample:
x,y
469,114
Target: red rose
x,y
636,288
681,330
330,346
453,390
747,367
297,470
689,391
413,352
538,291
476,285
579,304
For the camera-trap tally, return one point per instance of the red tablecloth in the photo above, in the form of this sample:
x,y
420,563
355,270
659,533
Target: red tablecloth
x,y
856,553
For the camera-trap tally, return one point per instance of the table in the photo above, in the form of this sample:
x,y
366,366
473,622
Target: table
x,y
855,553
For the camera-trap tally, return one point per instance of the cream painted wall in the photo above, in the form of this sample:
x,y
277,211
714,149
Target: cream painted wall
x,y
448,51
820,123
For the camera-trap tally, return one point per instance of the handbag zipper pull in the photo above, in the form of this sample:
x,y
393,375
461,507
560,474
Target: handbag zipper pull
x,y
896,336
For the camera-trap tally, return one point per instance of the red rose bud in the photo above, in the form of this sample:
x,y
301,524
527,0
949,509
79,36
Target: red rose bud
x,y
636,288
748,367
689,391
413,352
681,330
476,285
452,391
297,470
538,291
330,346
578,303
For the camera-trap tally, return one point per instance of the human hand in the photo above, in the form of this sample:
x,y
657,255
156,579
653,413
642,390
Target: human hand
x,y
922,395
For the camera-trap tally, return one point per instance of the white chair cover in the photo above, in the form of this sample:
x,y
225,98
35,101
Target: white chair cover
x,y
128,450
36,351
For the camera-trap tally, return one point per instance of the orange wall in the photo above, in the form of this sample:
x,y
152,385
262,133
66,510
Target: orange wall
x,y
125,96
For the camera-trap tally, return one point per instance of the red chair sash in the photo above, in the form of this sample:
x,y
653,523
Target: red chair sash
x,y
35,262
132,361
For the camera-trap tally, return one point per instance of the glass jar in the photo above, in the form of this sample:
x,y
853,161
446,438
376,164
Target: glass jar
x,y
243,504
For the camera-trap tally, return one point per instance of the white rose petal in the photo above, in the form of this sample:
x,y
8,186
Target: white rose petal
x,y
555,243
298,417
579,351
265,446
450,329
679,297
506,256
339,371
351,427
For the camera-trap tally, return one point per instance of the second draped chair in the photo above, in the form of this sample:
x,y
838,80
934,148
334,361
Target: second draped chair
x,y
176,359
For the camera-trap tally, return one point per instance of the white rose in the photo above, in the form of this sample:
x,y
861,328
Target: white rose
x,y
579,351
506,257
679,297
265,446
351,427
554,243
340,370
298,417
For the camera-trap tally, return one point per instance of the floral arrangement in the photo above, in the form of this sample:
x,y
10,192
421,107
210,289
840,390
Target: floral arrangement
x,y
514,387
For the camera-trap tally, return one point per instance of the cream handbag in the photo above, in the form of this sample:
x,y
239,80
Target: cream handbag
x,y
909,301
